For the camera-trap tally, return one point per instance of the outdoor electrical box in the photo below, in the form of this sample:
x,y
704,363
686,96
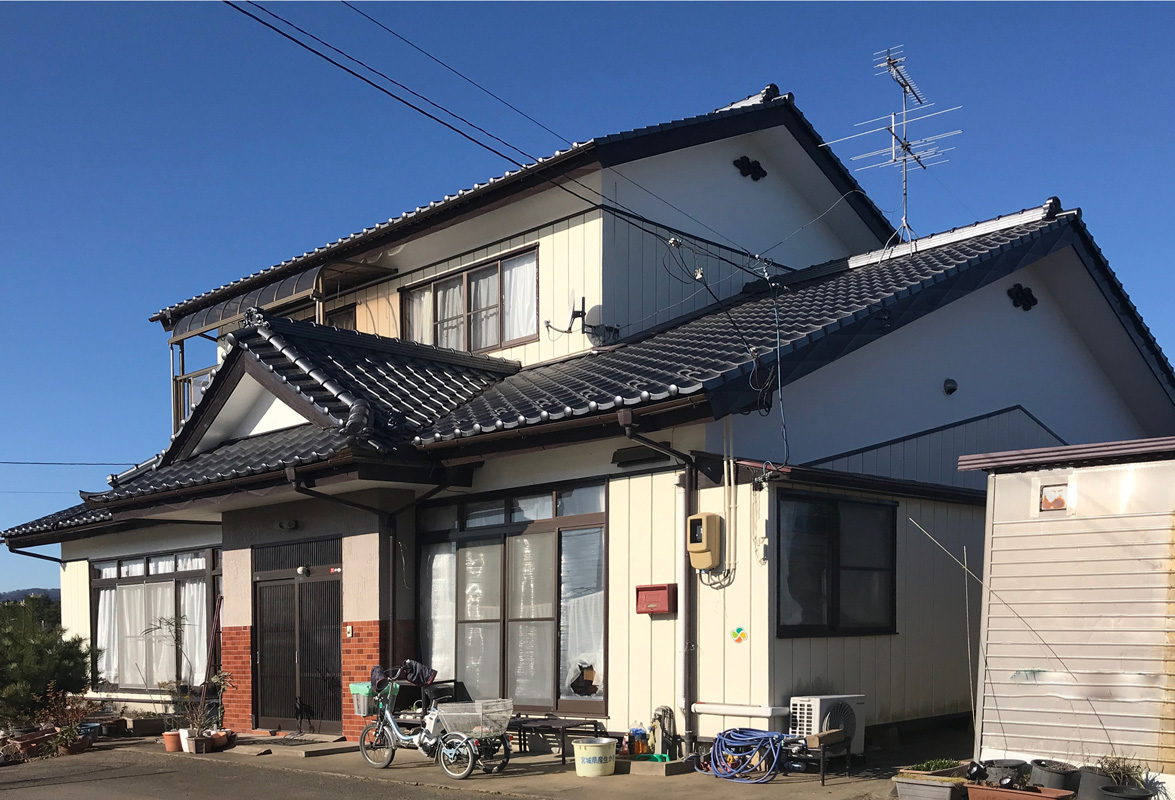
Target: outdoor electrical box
x,y
705,540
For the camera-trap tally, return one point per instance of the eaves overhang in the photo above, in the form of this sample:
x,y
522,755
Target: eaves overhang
x,y
612,150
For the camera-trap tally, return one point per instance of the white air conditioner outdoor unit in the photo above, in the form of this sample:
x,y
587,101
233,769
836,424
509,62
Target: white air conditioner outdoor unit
x,y
827,712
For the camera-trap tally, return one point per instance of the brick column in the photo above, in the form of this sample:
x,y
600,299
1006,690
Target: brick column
x,y
366,647
237,658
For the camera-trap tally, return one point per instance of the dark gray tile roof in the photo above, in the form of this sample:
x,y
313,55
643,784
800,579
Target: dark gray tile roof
x,y
257,455
401,386
371,390
71,517
615,149
709,351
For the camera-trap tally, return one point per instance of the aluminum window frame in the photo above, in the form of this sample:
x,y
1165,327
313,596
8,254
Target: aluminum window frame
x,y
468,313
212,574
833,628
499,534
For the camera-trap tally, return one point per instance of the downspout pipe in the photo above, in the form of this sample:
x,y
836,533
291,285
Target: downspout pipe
x,y
387,518
686,650
57,561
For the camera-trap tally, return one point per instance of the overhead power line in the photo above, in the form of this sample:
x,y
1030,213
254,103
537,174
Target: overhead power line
x,y
455,71
604,201
522,113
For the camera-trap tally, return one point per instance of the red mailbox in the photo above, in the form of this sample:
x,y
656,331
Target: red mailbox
x,y
659,598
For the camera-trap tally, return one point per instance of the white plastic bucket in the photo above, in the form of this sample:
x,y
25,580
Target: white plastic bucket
x,y
595,758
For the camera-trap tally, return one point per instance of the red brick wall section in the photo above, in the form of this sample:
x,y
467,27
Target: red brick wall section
x,y
237,649
366,647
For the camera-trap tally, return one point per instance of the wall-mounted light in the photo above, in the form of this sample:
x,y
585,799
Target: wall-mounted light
x,y
288,524
950,386
303,571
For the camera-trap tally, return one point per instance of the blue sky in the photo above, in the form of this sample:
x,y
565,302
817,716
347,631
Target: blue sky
x,y
150,152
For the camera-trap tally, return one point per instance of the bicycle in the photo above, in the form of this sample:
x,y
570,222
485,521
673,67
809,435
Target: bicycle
x,y
457,753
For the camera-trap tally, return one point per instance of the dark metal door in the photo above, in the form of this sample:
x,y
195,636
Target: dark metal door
x,y
299,654
276,676
320,654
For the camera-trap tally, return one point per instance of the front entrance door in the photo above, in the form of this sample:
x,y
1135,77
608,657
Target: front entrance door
x,y
298,651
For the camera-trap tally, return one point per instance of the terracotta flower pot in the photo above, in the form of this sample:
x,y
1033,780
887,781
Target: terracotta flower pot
x,y
171,741
978,791
79,746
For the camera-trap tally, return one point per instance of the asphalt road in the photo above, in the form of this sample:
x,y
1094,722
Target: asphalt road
x,y
136,773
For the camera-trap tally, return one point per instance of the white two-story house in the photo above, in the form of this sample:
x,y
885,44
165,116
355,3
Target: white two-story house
x,y
474,434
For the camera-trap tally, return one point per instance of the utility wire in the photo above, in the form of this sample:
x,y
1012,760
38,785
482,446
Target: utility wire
x,y
67,463
519,111
418,109
387,92
455,71
19,491
391,80
1026,623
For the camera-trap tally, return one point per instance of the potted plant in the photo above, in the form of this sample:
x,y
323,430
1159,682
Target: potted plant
x,y
66,712
936,767
986,791
1109,770
1054,774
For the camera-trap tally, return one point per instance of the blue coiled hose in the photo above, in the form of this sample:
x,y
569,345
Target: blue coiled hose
x,y
747,755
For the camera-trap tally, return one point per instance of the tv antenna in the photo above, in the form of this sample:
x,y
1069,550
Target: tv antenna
x,y
903,152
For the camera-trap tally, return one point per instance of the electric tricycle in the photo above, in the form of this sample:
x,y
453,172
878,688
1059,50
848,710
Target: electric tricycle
x,y
460,736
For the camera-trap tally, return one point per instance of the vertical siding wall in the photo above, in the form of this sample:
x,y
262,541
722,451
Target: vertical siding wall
x,y
933,457
647,283
922,671
643,543
75,599
1080,657
729,671
569,269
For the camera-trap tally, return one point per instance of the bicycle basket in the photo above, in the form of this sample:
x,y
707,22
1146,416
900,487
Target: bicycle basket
x,y
480,719
366,699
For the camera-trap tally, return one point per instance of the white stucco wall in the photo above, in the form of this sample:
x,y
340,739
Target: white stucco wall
x,y
1000,356
75,573
642,287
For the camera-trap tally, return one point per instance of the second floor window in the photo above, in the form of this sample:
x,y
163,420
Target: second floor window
x,y
488,307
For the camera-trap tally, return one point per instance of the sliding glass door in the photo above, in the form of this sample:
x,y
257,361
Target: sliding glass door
x,y
516,606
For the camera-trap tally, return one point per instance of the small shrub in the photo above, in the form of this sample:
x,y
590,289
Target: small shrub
x,y
934,764
1122,770
66,712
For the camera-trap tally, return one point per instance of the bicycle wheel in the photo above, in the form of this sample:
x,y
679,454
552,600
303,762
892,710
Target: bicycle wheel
x,y
456,755
493,762
375,743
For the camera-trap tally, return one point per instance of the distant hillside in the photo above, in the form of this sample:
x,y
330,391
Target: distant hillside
x,y
19,594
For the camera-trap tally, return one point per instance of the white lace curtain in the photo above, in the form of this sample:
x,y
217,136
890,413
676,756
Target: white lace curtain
x,y
519,297
194,614
107,636
438,603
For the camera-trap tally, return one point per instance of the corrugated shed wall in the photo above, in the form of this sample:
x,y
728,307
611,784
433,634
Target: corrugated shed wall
x,y
922,671
1079,625
933,457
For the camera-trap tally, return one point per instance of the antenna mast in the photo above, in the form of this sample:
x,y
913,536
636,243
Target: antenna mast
x,y
903,151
